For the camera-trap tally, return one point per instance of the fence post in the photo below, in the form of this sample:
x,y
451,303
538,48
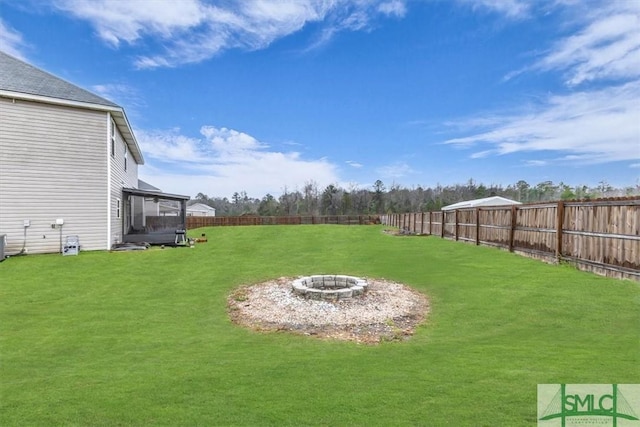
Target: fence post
x,y
477,226
442,223
455,228
421,222
559,227
512,231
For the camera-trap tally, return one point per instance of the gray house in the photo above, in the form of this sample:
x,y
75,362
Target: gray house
x,y
69,167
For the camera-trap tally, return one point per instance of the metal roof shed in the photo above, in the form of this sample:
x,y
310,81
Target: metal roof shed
x,y
486,201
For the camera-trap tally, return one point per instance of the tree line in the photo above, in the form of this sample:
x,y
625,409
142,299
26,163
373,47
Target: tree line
x,y
378,199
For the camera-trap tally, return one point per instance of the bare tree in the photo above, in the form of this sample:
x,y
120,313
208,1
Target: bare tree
x,y
311,203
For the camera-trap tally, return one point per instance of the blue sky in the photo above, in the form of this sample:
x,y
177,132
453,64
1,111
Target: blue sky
x,y
262,96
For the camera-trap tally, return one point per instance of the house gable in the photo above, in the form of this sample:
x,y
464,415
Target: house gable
x,y
22,81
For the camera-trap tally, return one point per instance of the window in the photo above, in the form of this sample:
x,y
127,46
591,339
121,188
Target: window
x,y
112,137
118,208
125,157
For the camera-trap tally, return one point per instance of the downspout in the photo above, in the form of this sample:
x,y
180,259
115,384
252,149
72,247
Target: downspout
x,y
108,145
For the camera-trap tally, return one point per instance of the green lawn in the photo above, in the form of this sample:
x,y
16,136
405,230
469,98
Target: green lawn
x,y
143,338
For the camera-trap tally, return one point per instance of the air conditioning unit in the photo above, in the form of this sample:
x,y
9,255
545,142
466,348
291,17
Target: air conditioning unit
x,y
3,239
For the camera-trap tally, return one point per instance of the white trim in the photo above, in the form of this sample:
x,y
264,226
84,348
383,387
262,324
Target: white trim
x,y
59,101
109,120
126,149
112,137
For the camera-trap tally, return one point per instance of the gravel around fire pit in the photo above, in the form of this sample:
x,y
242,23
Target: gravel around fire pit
x,y
388,311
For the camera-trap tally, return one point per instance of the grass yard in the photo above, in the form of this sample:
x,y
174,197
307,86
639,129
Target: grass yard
x,y
143,338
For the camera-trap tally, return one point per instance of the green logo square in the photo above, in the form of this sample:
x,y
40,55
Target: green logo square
x,y
574,405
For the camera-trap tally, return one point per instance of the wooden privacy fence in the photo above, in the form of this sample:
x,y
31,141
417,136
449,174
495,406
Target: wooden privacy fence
x,y
211,221
602,236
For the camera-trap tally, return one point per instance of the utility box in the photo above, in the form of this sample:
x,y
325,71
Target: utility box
x,y
3,239
72,246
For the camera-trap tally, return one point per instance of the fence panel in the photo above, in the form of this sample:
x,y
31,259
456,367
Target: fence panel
x,y
449,224
466,225
602,236
495,226
603,233
535,229
224,221
436,223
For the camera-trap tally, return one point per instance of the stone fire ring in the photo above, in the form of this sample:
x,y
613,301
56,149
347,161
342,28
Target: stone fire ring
x,y
328,287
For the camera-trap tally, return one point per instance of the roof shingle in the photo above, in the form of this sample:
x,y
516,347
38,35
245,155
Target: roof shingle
x,y
18,76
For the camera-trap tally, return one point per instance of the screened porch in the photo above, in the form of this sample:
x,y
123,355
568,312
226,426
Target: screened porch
x,y
154,217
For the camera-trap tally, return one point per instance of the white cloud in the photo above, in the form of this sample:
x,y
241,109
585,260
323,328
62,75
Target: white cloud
x,y
128,21
225,161
122,94
194,30
395,170
587,127
537,163
511,8
393,8
355,15
230,142
354,164
170,146
608,47
11,41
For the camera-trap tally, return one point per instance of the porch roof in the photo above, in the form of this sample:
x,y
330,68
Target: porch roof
x,y
152,193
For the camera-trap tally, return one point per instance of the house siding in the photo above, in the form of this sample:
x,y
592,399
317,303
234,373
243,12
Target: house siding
x,y
120,179
53,164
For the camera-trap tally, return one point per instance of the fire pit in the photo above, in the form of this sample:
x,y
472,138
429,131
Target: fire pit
x,y
328,287
376,310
